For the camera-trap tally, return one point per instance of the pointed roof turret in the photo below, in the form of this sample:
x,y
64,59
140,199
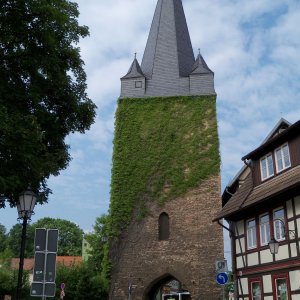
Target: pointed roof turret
x,y
134,70
169,46
200,66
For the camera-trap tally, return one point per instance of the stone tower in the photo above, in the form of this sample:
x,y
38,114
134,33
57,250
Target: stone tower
x,y
165,187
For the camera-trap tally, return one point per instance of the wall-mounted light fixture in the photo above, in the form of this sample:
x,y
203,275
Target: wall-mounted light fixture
x,y
274,244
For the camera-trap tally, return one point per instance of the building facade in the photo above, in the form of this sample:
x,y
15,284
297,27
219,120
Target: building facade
x,y
262,206
165,186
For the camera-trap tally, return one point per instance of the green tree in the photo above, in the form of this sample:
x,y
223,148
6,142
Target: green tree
x,y
97,239
8,277
3,238
99,260
69,242
42,93
70,235
81,282
14,240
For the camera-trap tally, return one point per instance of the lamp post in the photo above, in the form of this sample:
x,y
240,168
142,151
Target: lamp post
x,y
25,208
274,244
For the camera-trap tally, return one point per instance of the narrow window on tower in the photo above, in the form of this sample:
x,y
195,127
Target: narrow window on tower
x,y
163,227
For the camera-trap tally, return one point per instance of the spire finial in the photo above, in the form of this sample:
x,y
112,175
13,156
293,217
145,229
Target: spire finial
x,y
199,51
135,55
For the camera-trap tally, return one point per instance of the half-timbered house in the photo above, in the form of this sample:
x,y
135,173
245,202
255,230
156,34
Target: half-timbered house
x,y
262,207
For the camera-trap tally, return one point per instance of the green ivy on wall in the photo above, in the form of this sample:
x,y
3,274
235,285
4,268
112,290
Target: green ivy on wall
x,y
162,148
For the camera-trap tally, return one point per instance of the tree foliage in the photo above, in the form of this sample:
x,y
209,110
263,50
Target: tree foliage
x,y
42,92
81,282
70,235
3,238
14,240
99,260
69,242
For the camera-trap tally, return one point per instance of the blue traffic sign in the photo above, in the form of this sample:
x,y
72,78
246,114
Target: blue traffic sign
x,y
222,278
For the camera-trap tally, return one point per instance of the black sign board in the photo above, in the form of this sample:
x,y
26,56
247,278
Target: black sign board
x,y
52,240
44,263
40,239
37,289
39,265
51,267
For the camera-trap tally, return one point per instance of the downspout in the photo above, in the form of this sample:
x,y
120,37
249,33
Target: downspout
x,y
233,261
247,163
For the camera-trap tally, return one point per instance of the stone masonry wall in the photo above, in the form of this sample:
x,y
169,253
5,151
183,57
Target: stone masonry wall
x,y
195,243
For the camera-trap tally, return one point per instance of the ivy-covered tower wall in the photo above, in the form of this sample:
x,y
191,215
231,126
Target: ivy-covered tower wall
x,y
165,187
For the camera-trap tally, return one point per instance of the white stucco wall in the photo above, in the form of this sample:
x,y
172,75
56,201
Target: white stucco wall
x,y
295,280
239,262
289,206
266,256
297,204
240,245
244,283
240,228
252,259
283,253
267,283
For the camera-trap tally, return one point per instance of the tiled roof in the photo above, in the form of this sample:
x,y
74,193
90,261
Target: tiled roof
x,y
248,196
68,260
63,260
28,263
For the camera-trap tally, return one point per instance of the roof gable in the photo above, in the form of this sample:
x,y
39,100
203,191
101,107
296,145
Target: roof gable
x,y
278,136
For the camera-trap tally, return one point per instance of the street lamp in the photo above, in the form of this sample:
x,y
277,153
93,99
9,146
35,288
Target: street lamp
x,y
274,244
25,208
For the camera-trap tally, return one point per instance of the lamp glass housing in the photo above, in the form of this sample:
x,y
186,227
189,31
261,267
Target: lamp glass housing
x,y
27,201
273,245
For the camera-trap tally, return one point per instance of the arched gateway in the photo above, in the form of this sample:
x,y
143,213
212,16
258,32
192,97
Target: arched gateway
x,y
163,285
165,186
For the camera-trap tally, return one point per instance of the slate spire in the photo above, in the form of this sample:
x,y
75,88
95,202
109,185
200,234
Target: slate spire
x,y
168,66
169,45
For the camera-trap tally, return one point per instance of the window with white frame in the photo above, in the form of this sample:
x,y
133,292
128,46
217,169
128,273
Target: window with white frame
x,y
251,234
264,230
279,230
266,167
282,158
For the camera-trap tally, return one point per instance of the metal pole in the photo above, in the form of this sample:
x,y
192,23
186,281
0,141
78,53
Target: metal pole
x,y
21,264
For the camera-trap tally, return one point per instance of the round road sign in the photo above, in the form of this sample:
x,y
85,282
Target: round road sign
x,y
222,278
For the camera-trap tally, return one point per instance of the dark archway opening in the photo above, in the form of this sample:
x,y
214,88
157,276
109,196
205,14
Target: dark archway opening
x,y
163,286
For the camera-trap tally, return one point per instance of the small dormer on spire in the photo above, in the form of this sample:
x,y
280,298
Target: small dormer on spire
x,y
201,78
200,66
134,70
133,84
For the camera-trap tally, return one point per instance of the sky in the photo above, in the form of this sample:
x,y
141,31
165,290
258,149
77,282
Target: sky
x,y
253,47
